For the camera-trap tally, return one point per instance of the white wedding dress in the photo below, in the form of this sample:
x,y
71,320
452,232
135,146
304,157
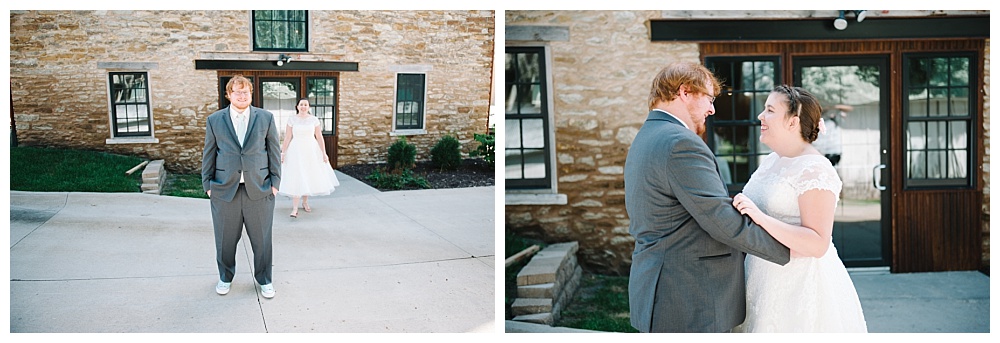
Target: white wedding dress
x,y
303,171
808,294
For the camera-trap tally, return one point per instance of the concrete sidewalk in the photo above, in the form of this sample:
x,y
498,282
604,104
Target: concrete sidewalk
x,y
361,261
945,302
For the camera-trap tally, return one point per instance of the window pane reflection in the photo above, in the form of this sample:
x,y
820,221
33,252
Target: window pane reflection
x,y
960,102
959,136
957,160
938,102
513,136
959,71
513,164
938,72
918,103
534,163
917,136
532,133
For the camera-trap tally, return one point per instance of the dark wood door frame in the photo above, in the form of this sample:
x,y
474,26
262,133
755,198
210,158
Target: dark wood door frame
x,y
330,140
931,229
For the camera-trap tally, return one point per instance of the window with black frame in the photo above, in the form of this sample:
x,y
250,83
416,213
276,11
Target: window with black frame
x,y
280,30
130,110
734,131
323,100
410,101
938,119
526,120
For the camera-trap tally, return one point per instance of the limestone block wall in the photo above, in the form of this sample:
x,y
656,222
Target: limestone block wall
x,y
601,80
60,95
60,62
455,49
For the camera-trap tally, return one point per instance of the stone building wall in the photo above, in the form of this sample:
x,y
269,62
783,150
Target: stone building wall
x,y
59,88
598,111
455,49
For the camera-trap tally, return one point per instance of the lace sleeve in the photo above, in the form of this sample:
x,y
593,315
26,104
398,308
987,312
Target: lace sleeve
x,y
818,176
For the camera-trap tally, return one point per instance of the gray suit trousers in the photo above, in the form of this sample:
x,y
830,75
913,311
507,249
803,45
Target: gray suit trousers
x,y
229,218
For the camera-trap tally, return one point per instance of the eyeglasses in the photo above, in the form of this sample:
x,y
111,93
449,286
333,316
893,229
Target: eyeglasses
x,y
243,93
711,99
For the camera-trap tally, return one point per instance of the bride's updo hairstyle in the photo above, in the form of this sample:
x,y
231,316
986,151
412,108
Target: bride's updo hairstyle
x,y
804,105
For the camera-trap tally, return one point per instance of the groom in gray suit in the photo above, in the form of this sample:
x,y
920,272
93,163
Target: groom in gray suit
x,y
687,270
241,172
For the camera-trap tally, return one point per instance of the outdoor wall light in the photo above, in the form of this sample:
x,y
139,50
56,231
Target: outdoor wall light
x,y
861,14
841,23
282,59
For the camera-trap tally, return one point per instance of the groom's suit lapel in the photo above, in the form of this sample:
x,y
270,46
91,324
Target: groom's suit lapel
x,y
228,120
251,120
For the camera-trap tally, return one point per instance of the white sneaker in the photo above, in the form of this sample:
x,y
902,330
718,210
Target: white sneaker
x,y
267,290
223,287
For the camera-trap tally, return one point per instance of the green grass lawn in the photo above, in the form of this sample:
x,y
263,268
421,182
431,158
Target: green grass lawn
x,y
184,185
62,170
601,304
66,170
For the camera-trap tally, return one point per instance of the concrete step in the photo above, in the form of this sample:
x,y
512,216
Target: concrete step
x,y
522,306
545,265
545,290
153,177
545,318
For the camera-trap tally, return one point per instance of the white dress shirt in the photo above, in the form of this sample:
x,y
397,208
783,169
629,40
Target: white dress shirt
x,y
234,116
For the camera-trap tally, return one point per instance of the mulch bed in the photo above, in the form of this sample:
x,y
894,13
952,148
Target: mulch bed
x,y
472,173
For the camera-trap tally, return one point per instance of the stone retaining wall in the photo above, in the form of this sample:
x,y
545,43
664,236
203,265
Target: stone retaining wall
x,y
547,284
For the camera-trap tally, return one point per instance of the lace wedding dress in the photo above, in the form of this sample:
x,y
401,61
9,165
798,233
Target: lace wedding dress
x,y
303,171
808,294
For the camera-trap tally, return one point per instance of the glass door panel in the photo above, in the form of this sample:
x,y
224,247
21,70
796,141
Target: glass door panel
x,y
852,92
280,96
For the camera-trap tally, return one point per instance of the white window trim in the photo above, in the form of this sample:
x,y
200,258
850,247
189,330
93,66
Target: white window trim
x,y
409,69
129,67
544,196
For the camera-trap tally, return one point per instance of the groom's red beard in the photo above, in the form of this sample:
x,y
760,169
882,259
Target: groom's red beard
x,y
699,129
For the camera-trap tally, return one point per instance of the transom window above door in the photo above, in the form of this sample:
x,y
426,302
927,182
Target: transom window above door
x,y
280,30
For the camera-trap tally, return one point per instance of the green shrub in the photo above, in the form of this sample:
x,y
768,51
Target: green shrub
x,y
447,153
486,148
402,155
396,180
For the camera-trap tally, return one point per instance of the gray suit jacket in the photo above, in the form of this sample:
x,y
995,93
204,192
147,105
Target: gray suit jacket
x,y
687,271
223,159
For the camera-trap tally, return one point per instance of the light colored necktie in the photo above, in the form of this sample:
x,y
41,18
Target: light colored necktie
x,y
241,131
241,128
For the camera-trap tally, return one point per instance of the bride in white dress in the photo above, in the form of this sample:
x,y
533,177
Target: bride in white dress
x,y
813,292
305,167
